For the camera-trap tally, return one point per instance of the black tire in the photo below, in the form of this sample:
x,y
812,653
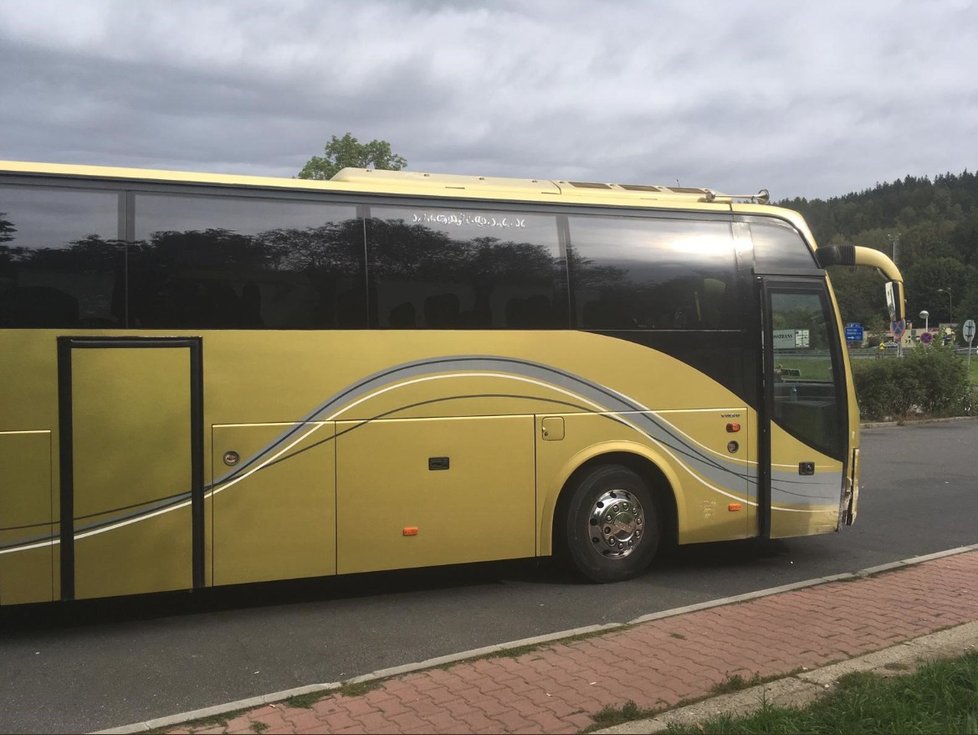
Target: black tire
x,y
624,543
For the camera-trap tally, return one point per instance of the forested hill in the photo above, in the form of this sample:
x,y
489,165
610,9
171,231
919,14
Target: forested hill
x,y
933,223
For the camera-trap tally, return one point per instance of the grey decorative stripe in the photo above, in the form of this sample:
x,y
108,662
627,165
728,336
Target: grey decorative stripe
x,y
823,488
106,518
717,470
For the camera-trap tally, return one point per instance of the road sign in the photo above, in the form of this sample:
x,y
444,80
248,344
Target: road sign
x,y
968,330
854,332
927,338
789,339
898,328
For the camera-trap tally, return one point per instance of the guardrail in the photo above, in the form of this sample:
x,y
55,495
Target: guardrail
x,y
864,353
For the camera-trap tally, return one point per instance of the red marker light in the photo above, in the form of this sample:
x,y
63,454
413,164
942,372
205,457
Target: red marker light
x,y
733,428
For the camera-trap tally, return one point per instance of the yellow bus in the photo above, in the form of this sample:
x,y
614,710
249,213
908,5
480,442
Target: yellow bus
x,y
209,380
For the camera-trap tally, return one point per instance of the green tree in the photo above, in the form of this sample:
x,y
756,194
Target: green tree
x,y
348,151
927,277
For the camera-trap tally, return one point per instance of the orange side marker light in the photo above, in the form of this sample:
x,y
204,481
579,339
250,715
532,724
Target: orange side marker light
x,y
409,531
734,507
733,428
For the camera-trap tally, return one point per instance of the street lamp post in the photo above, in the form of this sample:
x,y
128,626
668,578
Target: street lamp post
x,y
895,241
925,315
950,313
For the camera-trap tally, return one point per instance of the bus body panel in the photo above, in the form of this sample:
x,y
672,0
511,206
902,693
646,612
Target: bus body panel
x,y
803,505
279,522
27,509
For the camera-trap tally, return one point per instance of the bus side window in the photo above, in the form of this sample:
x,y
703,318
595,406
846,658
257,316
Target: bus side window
x,y
778,246
62,263
641,273
465,268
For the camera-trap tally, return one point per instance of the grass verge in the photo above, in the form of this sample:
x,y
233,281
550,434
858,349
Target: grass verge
x,y
735,683
940,697
616,715
306,701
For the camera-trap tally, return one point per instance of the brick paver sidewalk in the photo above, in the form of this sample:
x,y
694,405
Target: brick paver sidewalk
x,y
559,686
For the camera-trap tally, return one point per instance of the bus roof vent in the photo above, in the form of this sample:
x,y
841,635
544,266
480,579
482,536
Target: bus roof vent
x,y
640,187
650,191
761,197
433,182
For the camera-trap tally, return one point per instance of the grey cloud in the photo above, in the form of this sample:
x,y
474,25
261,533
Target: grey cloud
x,y
813,100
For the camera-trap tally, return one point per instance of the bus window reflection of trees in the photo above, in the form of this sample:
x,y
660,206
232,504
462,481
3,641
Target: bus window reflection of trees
x,y
228,269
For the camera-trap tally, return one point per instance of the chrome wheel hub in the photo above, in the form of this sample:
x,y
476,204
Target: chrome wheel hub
x,y
616,524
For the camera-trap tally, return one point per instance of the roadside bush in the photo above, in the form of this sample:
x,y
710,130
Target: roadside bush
x,y
884,389
931,381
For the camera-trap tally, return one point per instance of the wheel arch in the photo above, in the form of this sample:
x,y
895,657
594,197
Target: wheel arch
x,y
647,464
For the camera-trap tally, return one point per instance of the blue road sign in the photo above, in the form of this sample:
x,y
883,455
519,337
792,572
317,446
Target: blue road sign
x,y
854,332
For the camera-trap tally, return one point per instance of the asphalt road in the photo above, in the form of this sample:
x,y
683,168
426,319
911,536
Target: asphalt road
x,y
82,667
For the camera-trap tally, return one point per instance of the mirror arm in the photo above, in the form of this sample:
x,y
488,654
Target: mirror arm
x,y
858,255
869,258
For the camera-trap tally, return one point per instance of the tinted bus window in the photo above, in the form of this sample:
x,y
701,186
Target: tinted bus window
x,y
465,269
806,381
649,274
60,259
220,262
778,246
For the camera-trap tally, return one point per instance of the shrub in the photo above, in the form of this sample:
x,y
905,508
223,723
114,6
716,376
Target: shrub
x,y
932,381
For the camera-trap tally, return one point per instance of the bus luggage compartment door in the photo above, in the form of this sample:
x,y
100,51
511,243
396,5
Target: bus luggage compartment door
x,y
131,465
424,492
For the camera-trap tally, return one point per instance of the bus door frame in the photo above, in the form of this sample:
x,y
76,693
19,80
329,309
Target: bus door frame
x,y
194,345
799,281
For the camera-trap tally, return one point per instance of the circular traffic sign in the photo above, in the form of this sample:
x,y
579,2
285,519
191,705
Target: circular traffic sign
x,y
968,330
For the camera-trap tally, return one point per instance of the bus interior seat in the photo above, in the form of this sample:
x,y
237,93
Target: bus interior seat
x,y
602,315
515,313
221,305
441,311
251,317
403,316
539,312
40,307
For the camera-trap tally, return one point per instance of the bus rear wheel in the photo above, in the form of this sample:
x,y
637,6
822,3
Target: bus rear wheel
x,y
610,524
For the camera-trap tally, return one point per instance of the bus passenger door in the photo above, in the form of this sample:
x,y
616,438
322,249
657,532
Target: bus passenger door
x,y
803,437
131,450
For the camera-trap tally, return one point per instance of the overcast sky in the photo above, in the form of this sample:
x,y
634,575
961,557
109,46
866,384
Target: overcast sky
x,y
808,99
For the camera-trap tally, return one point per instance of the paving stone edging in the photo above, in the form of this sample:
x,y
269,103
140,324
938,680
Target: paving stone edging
x,y
325,688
